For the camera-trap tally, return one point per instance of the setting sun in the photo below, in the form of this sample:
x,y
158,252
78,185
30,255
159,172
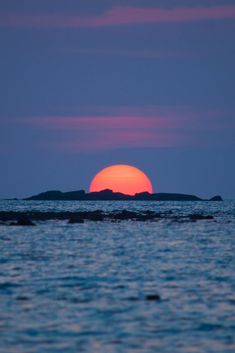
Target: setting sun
x,y
121,178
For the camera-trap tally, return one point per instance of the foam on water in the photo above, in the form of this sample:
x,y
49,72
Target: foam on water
x,y
83,287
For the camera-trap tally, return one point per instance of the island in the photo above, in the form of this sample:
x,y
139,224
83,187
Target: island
x,y
109,195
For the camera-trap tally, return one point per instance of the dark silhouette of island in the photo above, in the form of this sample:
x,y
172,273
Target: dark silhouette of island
x,y
109,195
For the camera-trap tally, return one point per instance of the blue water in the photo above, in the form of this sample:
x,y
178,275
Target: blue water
x,y
82,287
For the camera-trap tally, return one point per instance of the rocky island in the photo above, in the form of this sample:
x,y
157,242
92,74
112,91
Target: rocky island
x,y
109,195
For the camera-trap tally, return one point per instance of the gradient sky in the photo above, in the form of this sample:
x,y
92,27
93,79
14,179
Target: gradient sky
x,y
85,84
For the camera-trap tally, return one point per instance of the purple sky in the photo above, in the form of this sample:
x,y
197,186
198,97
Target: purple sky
x,y
86,84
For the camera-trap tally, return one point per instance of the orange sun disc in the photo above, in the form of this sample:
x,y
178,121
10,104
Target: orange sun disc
x,y
121,178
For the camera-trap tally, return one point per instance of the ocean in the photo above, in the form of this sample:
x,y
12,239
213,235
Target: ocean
x,y
127,286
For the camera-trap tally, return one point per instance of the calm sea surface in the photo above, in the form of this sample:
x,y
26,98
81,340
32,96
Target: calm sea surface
x,y
82,287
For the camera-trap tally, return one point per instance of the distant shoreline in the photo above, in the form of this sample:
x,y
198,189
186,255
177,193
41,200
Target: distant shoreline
x,y
109,195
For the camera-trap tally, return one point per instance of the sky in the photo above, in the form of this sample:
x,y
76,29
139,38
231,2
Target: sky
x,y
86,84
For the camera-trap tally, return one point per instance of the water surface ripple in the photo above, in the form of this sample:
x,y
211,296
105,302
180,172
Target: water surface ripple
x,y
82,287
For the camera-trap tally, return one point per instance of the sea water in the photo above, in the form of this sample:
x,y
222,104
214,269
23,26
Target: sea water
x,y
83,287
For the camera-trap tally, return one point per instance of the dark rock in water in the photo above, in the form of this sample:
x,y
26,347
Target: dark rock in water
x,y
153,297
95,216
125,215
24,221
76,219
12,224
27,218
197,217
22,298
149,215
79,217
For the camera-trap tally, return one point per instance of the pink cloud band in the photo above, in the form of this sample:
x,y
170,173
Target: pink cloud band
x,y
75,133
120,16
142,127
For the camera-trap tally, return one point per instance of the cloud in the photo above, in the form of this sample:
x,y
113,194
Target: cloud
x,y
112,128
104,132
117,16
